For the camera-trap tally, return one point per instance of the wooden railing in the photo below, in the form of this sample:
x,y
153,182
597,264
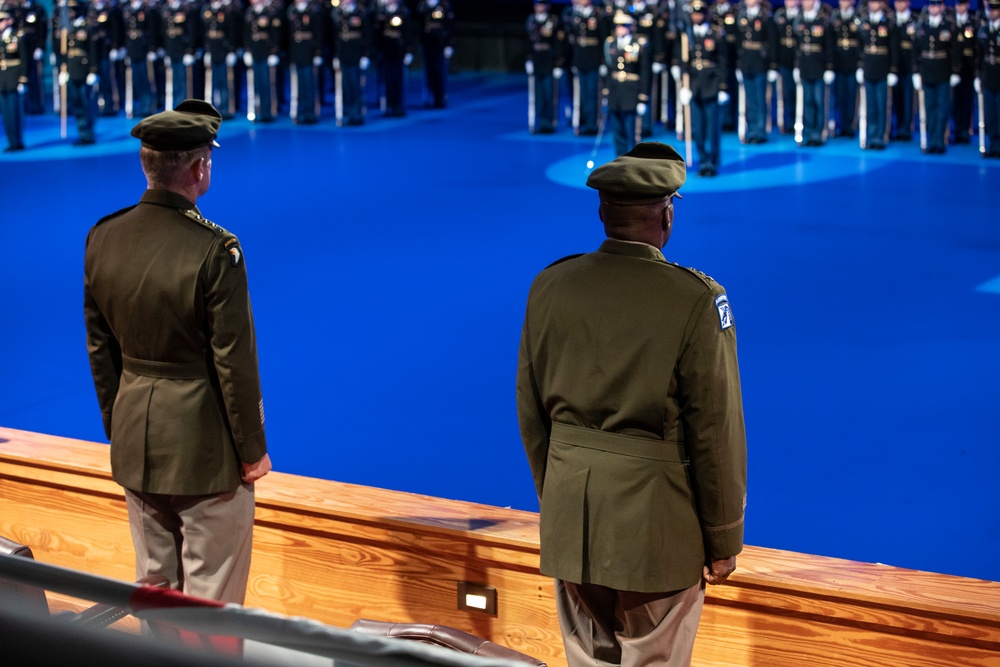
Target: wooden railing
x,y
336,552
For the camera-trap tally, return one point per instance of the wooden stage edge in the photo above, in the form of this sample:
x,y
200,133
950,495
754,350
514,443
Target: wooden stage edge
x,y
337,552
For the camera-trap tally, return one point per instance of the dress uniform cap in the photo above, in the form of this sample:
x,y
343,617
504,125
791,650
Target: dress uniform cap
x,y
621,18
698,7
4,15
993,4
190,124
648,173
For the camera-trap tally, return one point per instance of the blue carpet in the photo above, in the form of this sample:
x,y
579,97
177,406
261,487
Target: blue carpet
x,y
389,266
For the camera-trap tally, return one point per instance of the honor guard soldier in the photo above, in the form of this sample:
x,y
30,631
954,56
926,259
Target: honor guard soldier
x,y
179,21
650,38
784,62
352,47
141,27
706,65
262,32
723,15
221,24
987,81
437,26
625,59
755,39
80,76
305,58
544,67
585,35
32,22
935,73
663,85
106,20
963,95
877,73
844,24
813,73
14,59
902,93
394,43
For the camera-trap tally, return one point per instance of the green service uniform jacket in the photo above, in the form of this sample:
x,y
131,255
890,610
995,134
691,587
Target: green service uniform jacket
x,y
630,410
172,348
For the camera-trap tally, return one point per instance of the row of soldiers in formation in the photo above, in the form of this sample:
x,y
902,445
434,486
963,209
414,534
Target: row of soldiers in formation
x,y
873,70
142,56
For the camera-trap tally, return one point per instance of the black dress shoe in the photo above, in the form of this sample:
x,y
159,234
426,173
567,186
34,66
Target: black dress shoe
x,y
13,149
83,142
961,140
703,172
711,172
902,136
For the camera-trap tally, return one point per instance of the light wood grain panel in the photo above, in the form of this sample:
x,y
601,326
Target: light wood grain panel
x,y
337,552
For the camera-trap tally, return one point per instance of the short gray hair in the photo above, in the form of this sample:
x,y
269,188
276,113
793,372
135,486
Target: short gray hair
x,y
163,168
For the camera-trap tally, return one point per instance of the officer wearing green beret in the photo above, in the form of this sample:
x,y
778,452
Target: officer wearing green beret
x,y
630,410
174,359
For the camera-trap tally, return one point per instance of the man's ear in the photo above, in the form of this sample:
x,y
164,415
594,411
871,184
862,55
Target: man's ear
x,y
600,212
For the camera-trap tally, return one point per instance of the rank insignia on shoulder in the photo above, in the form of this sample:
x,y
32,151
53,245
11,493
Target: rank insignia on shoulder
x,y
725,312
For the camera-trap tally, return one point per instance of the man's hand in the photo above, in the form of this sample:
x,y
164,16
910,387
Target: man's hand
x,y
719,570
254,471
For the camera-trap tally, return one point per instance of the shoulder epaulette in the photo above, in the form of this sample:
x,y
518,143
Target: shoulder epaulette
x,y
704,277
202,220
116,213
560,261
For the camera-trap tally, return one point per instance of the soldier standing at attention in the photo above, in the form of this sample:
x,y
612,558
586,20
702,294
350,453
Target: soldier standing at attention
x,y
14,57
106,19
723,15
631,415
437,25
987,81
784,62
178,22
544,67
707,67
221,24
877,72
813,69
351,58
585,35
140,28
173,354
935,72
902,92
844,24
262,32
305,57
755,38
81,76
963,95
394,43
625,59
31,20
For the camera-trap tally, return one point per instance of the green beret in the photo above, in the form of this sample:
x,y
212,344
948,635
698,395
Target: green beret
x,y
190,124
648,173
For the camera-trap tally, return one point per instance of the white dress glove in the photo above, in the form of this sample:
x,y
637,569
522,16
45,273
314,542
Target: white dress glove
x,y
557,72
892,80
38,54
602,70
640,108
796,76
723,97
92,79
63,78
739,76
860,75
658,68
273,60
407,59
52,59
955,80
151,56
188,59
364,63
828,77
977,85
231,60
772,75
448,52
317,61
675,72
529,67
685,96
21,88
918,83
248,59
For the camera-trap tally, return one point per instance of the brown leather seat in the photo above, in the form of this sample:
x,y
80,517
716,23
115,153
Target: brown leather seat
x,y
32,600
444,636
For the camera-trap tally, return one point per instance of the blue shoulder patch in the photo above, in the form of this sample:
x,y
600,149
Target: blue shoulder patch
x,y
725,312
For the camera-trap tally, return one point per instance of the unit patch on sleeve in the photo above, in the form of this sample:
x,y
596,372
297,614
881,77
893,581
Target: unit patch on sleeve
x,y
725,312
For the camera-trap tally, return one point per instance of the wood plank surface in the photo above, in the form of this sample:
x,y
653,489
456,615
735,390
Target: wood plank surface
x,y
336,552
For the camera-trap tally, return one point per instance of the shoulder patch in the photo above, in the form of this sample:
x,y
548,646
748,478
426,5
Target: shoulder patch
x,y
725,312
233,248
117,213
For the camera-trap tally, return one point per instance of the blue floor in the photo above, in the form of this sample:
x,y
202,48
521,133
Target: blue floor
x,y
389,266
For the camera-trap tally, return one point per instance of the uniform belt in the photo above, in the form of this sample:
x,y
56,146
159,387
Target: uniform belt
x,y
788,41
847,43
703,64
194,370
618,443
812,48
588,41
752,46
625,76
934,55
877,50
